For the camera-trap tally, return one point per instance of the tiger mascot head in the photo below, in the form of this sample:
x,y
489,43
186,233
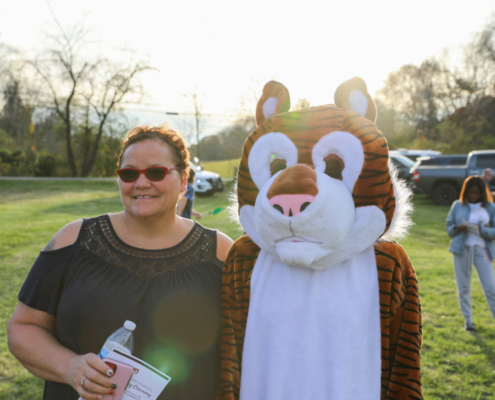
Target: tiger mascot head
x,y
314,186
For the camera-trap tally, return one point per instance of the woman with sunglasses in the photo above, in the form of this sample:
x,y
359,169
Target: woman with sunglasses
x,y
471,225
144,264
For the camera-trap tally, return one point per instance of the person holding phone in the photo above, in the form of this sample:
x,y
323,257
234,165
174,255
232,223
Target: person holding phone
x,y
471,225
144,264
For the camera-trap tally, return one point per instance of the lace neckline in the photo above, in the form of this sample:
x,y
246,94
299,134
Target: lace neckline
x,y
119,240
99,237
111,237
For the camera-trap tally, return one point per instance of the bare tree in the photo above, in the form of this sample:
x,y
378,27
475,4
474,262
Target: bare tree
x,y
485,41
245,110
62,69
412,91
464,82
12,72
109,85
186,126
197,97
82,87
4,61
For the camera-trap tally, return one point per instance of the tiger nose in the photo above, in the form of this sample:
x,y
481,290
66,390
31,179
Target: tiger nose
x,y
291,204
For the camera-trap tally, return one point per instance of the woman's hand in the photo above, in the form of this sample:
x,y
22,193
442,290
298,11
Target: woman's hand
x,y
461,228
94,375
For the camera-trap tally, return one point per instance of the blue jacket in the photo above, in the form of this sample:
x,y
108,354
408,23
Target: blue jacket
x,y
459,212
189,195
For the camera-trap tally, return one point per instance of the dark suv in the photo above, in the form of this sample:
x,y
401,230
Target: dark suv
x,y
443,181
422,163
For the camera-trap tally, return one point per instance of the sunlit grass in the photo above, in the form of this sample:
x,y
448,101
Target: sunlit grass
x,y
224,168
455,364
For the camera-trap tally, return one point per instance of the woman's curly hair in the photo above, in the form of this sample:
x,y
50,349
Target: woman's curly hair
x,y
173,139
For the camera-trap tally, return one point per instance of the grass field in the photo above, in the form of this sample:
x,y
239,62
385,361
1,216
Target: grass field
x,y
455,364
223,168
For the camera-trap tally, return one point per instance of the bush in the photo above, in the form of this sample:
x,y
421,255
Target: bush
x,y
45,166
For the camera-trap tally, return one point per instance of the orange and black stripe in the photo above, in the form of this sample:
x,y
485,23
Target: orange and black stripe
x,y
305,128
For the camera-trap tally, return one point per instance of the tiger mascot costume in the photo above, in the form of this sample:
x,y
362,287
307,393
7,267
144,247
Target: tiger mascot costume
x,y
316,303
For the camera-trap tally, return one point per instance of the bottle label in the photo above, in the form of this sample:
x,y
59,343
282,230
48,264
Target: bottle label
x,y
104,352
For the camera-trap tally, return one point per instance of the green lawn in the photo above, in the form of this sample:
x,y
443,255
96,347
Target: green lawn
x,y
223,168
456,364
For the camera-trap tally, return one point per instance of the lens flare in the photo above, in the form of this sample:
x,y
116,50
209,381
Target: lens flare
x,y
188,323
170,362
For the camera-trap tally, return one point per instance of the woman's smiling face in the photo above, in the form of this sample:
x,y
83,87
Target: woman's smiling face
x,y
474,194
144,198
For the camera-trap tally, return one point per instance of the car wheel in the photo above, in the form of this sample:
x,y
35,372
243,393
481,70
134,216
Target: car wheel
x,y
445,194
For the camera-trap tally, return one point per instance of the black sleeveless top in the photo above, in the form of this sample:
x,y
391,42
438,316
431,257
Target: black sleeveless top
x,y
173,295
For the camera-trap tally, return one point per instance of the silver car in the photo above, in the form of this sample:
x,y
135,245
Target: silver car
x,y
207,182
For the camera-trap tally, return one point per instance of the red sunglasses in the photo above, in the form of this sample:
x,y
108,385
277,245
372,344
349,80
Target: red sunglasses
x,y
154,174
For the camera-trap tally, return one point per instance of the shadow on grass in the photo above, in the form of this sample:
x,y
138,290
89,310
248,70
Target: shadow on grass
x,y
102,206
486,348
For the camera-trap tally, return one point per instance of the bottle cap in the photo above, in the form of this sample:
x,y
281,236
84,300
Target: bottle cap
x,y
129,325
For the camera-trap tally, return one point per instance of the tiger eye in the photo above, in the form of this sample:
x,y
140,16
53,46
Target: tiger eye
x,y
277,165
334,166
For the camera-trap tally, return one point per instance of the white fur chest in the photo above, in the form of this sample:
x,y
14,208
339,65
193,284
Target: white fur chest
x,y
313,334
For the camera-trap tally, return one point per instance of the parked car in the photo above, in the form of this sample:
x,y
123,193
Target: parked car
x,y
444,160
425,162
414,154
403,165
444,181
207,182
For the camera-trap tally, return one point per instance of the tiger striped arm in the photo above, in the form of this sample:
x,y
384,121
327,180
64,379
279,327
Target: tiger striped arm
x,y
401,324
236,290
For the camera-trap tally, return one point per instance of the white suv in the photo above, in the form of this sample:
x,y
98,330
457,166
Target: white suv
x,y
207,182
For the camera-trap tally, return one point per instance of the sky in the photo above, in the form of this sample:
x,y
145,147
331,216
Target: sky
x,y
224,46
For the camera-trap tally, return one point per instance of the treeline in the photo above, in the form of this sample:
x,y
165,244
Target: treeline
x,y
32,141
61,110
62,115
442,104
227,144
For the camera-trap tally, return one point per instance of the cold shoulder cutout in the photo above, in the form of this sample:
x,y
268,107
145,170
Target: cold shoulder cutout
x,y
66,236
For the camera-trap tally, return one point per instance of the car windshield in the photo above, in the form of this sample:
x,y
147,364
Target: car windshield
x,y
404,160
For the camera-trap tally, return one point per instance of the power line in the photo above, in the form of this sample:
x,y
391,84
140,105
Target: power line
x,y
148,110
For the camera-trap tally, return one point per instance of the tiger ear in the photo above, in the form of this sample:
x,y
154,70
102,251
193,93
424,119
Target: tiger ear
x,y
353,95
274,100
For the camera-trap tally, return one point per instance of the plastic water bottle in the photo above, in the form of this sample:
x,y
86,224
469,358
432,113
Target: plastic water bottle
x,y
121,340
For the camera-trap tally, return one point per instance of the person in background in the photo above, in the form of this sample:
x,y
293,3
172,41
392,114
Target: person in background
x,y
471,225
487,176
185,207
144,264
